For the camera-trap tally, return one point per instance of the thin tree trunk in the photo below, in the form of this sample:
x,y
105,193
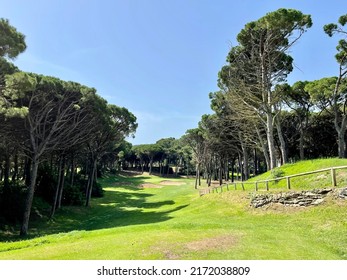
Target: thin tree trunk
x,y
264,148
91,181
72,174
245,163
7,170
62,181
233,170
341,131
270,140
283,144
150,166
55,200
16,168
196,176
30,197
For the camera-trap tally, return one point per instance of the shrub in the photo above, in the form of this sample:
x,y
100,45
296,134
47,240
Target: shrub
x,y
12,200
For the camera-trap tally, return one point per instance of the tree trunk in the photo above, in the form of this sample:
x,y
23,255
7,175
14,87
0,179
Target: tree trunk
x,y
301,143
245,164
150,166
62,181
30,197
264,148
56,194
255,172
283,143
220,172
7,170
341,143
196,176
270,140
240,169
91,179
16,168
341,131
72,174
233,170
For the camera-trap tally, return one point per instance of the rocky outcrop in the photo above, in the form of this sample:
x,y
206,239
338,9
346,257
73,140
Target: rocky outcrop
x,y
303,198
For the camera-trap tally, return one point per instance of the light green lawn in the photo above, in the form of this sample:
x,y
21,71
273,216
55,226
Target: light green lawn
x,y
173,222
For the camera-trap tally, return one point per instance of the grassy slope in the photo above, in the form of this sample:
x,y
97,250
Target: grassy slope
x,y
317,180
174,223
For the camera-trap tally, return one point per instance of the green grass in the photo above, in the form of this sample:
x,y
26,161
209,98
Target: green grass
x,y
318,180
173,222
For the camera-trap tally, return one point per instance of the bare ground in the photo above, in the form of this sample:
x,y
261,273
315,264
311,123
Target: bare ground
x,y
179,250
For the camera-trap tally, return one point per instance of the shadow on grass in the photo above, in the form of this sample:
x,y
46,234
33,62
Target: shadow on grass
x,y
122,205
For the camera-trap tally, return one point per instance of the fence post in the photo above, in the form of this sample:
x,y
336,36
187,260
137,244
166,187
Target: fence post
x,y
288,182
267,185
256,186
243,187
333,177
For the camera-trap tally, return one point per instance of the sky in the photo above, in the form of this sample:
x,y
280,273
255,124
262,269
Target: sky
x,y
158,58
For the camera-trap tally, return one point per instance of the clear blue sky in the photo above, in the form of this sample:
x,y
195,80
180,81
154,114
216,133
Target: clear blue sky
x,y
158,58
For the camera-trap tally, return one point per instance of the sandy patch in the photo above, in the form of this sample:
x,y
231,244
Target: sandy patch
x,y
149,186
171,183
179,250
222,242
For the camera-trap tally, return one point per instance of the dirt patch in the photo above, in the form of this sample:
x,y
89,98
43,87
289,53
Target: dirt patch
x,y
149,186
222,242
171,183
178,250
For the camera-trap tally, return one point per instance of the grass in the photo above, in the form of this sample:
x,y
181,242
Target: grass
x,y
318,180
173,222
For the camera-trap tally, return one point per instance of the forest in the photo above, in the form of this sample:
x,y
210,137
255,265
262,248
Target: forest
x,y
57,137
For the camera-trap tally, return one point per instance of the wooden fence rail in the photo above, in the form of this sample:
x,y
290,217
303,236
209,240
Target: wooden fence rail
x,y
287,178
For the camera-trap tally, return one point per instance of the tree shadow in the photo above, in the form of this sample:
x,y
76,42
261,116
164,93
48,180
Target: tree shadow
x,y
122,205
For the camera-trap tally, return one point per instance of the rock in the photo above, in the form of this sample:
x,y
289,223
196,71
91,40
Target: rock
x,y
303,198
318,201
343,193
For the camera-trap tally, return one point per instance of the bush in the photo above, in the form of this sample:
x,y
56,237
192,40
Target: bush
x,y
12,200
73,195
97,190
277,173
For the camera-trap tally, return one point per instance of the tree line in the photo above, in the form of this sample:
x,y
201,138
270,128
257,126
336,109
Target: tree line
x,y
54,136
259,120
58,136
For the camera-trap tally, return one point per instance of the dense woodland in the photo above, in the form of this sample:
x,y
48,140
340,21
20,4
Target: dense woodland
x,y
58,136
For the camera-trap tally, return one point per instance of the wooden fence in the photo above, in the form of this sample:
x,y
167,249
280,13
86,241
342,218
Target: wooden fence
x,y
227,186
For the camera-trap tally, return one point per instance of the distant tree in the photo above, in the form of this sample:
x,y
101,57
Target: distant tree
x,y
299,100
194,138
169,152
329,94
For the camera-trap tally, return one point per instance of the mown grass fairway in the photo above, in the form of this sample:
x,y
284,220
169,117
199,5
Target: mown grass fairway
x,y
173,222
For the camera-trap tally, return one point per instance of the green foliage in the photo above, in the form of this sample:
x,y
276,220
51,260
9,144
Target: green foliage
x,y
277,173
12,42
11,204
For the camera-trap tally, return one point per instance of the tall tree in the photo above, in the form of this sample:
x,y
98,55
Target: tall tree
x,y
261,61
330,95
52,113
337,92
